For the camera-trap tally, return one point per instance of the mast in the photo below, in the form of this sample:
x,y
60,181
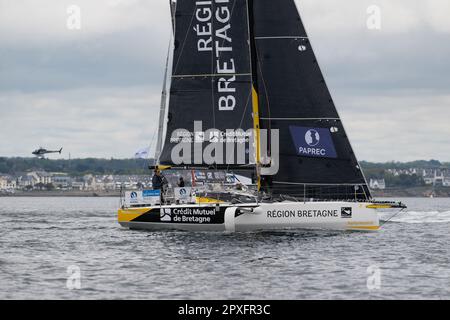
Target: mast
x,y
173,8
163,105
162,110
255,97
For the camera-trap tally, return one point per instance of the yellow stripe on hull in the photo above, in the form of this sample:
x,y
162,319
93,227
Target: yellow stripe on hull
x,y
127,215
372,228
379,206
200,200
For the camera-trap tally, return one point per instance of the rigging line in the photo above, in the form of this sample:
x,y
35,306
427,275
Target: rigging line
x,y
258,63
163,105
243,116
254,98
319,184
184,43
393,216
210,75
153,140
281,37
213,71
245,109
266,91
298,119
365,194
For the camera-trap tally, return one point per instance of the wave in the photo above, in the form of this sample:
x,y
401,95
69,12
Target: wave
x,y
418,217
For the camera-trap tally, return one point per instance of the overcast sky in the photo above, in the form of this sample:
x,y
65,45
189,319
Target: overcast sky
x,y
96,91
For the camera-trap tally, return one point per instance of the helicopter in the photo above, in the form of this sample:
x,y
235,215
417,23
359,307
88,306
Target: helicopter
x,y
41,152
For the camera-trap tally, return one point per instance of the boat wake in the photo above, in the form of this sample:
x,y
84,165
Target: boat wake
x,y
418,217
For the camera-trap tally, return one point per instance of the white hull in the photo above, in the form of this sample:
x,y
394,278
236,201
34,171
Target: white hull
x,y
252,217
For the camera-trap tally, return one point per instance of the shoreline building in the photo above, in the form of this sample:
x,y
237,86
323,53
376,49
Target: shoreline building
x,y
436,177
7,183
377,184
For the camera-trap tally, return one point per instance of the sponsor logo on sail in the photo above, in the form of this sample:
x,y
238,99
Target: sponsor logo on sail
x,y
312,138
214,29
229,147
199,137
313,142
214,136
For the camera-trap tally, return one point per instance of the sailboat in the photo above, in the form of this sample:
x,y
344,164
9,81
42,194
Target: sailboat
x,y
247,94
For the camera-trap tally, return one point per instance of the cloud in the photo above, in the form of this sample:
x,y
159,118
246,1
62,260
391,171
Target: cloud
x,y
401,127
96,91
38,23
121,43
96,122
398,17
437,12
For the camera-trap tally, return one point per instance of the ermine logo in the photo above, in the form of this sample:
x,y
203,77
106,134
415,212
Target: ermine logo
x,y
166,215
346,212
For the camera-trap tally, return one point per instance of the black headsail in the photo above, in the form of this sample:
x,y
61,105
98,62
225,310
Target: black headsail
x,y
210,108
316,158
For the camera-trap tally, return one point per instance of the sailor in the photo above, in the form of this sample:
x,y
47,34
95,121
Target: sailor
x,y
181,183
157,180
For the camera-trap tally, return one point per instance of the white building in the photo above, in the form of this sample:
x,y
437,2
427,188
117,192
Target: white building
x,y
61,181
26,182
436,177
377,184
3,182
78,185
7,183
446,182
40,177
428,176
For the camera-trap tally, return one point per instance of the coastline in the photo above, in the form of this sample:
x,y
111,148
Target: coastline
x,y
79,194
416,192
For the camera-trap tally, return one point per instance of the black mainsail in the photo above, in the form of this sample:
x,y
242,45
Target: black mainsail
x,y
249,65
211,86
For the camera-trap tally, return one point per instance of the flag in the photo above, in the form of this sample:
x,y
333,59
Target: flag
x,y
142,153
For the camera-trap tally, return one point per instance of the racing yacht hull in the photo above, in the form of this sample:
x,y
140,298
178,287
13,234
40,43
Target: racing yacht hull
x,y
343,216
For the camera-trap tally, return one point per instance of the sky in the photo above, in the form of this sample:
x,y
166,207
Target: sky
x,y
96,90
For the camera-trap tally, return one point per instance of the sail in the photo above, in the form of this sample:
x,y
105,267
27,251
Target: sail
x,y
210,108
316,158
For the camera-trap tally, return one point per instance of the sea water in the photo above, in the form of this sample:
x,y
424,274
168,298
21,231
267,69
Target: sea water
x,y
73,248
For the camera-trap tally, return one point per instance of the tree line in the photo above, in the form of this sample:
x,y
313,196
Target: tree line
x,y
80,167
380,171
75,167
